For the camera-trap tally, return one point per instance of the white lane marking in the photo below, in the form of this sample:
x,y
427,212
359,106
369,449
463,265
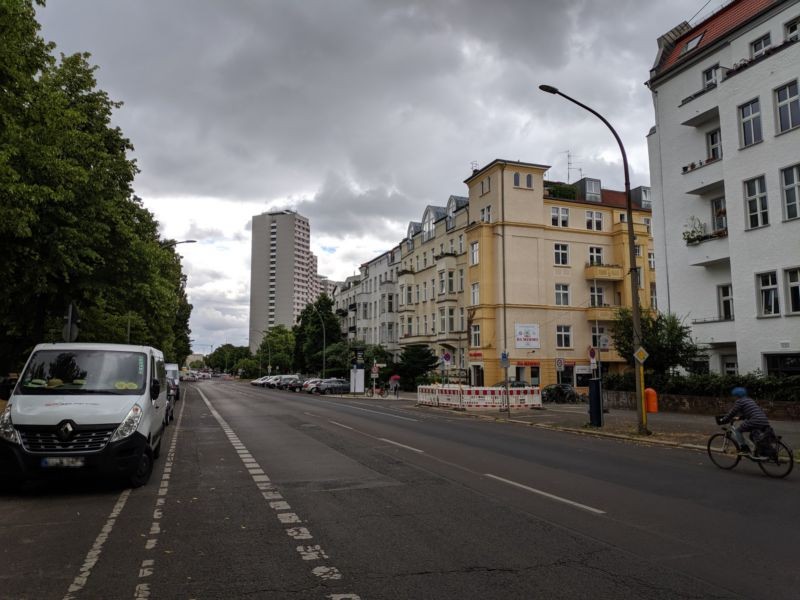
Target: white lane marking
x,y
340,425
377,412
147,568
279,505
97,548
401,445
596,511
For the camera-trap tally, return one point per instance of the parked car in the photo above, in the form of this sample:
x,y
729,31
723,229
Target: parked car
x,y
260,381
173,388
271,381
309,385
284,380
333,386
511,384
559,392
296,385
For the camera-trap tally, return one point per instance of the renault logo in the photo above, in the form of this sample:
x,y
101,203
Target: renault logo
x,y
65,430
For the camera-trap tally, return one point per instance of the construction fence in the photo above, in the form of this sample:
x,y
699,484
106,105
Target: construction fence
x,y
469,398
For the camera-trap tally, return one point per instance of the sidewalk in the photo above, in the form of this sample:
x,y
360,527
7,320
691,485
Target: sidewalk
x,y
667,428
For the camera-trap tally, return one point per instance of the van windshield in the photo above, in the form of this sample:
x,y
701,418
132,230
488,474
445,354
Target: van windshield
x,y
58,372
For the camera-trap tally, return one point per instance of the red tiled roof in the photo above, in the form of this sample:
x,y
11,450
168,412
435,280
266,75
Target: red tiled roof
x,y
712,29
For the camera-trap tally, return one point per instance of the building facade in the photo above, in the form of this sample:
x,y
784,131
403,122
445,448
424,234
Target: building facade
x,y
283,277
725,168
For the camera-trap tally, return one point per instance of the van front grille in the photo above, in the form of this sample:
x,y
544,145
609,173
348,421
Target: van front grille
x,y
85,439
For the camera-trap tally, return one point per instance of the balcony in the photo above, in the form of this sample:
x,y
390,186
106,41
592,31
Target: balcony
x,y
703,176
601,313
604,272
714,331
351,307
700,108
405,271
709,249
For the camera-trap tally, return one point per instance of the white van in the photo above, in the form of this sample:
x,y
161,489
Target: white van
x,y
97,408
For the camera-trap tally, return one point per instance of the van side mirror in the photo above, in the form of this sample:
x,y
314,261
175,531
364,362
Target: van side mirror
x,y
155,389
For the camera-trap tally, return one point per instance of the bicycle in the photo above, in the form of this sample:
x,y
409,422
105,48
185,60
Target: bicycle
x,y
379,390
774,457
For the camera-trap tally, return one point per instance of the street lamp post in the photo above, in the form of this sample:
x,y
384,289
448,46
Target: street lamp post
x,y
635,308
173,243
322,322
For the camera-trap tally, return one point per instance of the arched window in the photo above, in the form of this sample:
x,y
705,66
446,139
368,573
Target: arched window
x,y
428,227
529,180
516,179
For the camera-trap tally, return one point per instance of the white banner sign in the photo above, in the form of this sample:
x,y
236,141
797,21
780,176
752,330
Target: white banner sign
x,y
527,335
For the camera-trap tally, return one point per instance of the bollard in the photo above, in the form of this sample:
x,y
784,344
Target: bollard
x,y
595,403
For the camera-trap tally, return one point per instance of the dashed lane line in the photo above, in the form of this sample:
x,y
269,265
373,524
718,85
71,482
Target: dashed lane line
x,y
591,509
148,565
377,412
307,551
402,445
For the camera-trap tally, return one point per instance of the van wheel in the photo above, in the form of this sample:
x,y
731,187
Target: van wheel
x,y
144,469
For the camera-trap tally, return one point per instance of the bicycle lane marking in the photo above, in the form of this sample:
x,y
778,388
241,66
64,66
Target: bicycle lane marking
x,y
307,551
148,565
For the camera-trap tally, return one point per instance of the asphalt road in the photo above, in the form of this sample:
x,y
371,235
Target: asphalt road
x,y
268,494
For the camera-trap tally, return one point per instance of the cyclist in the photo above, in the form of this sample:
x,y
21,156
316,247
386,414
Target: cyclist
x,y
753,418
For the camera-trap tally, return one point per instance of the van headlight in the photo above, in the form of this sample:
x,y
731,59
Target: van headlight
x,y
129,424
7,430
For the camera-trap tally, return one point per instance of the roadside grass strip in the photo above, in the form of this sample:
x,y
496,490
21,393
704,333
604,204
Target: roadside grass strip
x,y
307,551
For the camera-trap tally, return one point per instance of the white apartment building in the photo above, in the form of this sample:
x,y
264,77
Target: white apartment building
x,y
725,175
283,277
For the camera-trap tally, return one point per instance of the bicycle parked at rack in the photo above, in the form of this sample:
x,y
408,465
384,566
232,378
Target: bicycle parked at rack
x,y
380,390
774,457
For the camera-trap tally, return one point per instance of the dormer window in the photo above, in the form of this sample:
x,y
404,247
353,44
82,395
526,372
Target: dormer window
x,y
760,46
593,190
692,43
428,226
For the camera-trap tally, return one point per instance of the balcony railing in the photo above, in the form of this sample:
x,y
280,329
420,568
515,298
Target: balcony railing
x,y
405,271
604,272
605,312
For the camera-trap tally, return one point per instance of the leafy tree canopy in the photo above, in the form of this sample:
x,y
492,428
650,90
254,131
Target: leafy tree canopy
x,y
416,360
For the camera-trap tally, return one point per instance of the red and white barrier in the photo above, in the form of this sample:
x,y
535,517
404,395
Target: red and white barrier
x,y
466,397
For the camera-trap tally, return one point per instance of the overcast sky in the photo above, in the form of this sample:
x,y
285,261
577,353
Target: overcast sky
x,y
355,113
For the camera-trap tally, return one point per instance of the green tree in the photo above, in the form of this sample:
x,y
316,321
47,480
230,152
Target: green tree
x,y
277,349
309,339
71,229
416,360
664,336
226,357
197,364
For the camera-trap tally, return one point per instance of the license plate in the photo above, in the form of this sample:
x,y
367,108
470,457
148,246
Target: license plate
x,y
63,461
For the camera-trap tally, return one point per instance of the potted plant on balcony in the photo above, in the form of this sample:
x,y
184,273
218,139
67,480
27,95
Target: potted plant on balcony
x,y
695,231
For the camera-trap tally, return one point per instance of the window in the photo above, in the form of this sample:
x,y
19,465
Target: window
x,y
653,296
725,296
408,326
651,260
768,294
408,294
529,181
460,244
760,46
692,43
563,336
750,117
593,190
596,296
788,104
442,321
594,220
562,294
730,364
792,30
595,255
486,185
486,214
451,320
719,220
755,195
516,179
637,250
425,291
451,281
559,217
710,77
714,144
793,290
475,336
623,217
648,223
561,254
637,272
442,282
424,260
461,319
452,246
597,336
461,280
475,296
474,255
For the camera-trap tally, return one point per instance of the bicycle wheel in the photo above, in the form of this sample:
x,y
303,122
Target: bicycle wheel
x,y
723,451
781,464
384,393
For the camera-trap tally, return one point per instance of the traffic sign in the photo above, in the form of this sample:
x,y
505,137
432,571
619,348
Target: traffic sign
x,y
592,353
640,355
374,370
504,362
380,365
559,364
446,357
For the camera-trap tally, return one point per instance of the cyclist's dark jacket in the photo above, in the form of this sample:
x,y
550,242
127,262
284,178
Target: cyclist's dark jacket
x,y
750,412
